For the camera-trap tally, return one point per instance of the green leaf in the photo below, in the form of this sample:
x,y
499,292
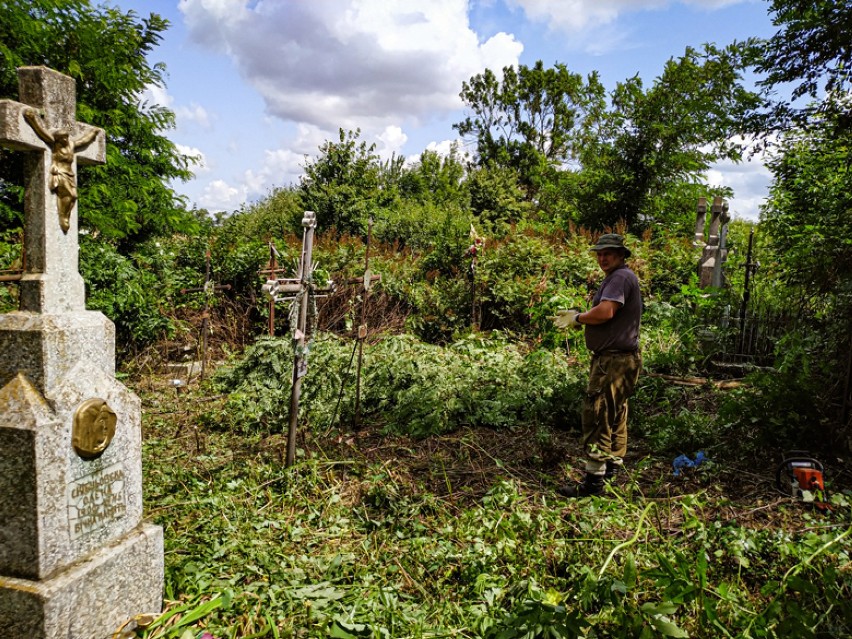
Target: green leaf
x,y
345,630
667,628
664,608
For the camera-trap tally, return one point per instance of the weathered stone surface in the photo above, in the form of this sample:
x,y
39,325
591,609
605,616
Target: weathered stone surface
x,y
75,561
714,252
26,414
47,347
52,282
91,599
66,505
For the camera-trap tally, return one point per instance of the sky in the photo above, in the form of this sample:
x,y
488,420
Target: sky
x,y
257,86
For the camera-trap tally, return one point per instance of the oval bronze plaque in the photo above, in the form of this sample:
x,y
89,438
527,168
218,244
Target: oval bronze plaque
x,y
93,429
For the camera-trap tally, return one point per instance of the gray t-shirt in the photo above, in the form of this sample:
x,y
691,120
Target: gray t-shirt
x,y
622,331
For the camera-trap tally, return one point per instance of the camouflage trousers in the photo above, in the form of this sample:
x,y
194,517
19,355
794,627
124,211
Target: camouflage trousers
x,y
612,380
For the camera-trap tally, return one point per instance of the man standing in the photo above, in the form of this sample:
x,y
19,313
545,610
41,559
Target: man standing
x,y
612,334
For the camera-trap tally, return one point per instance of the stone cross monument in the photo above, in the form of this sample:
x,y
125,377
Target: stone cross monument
x,y
76,560
714,252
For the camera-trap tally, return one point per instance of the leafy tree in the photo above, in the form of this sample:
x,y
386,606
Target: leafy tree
x,y
435,178
495,196
105,50
532,120
654,141
812,53
809,211
342,185
278,215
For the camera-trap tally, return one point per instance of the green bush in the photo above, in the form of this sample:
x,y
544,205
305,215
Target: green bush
x,y
776,411
133,297
10,258
420,389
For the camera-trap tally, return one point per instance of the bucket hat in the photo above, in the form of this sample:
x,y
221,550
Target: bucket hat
x,y
611,241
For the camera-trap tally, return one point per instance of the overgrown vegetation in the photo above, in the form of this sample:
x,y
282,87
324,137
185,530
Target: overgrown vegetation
x,y
372,535
437,517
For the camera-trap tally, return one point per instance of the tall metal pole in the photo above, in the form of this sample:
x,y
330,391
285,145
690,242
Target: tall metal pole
x,y
205,319
362,328
309,222
209,289
746,290
846,401
473,293
273,267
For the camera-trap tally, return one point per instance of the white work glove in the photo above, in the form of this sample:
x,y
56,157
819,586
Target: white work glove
x,y
566,318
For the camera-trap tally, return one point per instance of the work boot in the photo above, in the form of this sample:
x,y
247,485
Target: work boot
x,y
591,485
612,469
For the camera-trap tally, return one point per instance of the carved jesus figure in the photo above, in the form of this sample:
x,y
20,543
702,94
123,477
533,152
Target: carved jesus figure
x,y
63,147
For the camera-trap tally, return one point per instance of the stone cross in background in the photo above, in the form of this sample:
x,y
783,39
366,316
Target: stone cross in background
x,y
76,559
700,223
714,252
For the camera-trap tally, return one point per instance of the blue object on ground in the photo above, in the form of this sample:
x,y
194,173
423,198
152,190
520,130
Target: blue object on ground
x,y
682,461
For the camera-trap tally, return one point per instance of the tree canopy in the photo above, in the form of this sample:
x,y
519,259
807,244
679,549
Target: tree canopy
x,y
811,53
533,119
105,50
809,212
636,158
655,142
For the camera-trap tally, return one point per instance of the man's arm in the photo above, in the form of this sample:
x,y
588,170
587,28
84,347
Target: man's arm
x,y
601,313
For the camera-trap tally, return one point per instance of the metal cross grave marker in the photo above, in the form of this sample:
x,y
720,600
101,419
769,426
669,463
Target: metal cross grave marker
x,y
366,283
270,271
44,125
301,291
209,289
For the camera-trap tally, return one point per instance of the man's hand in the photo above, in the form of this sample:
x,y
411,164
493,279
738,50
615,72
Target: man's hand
x,y
566,318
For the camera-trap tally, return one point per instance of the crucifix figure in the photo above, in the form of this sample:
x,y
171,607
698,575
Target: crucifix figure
x,y
71,527
63,178
44,125
302,292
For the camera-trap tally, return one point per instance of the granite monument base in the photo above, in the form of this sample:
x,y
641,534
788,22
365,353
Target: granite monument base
x,y
92,598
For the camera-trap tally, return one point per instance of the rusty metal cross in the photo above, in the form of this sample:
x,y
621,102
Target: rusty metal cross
x,y
301,291
209,288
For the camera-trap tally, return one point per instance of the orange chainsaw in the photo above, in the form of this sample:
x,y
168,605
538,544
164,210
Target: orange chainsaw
x,y
802,477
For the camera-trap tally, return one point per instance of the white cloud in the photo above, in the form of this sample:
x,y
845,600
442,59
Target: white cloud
x,y
350,63
391,141
281,167
445,147
157,96
573,16
218,196
193,113
750,182
309,139
201,166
